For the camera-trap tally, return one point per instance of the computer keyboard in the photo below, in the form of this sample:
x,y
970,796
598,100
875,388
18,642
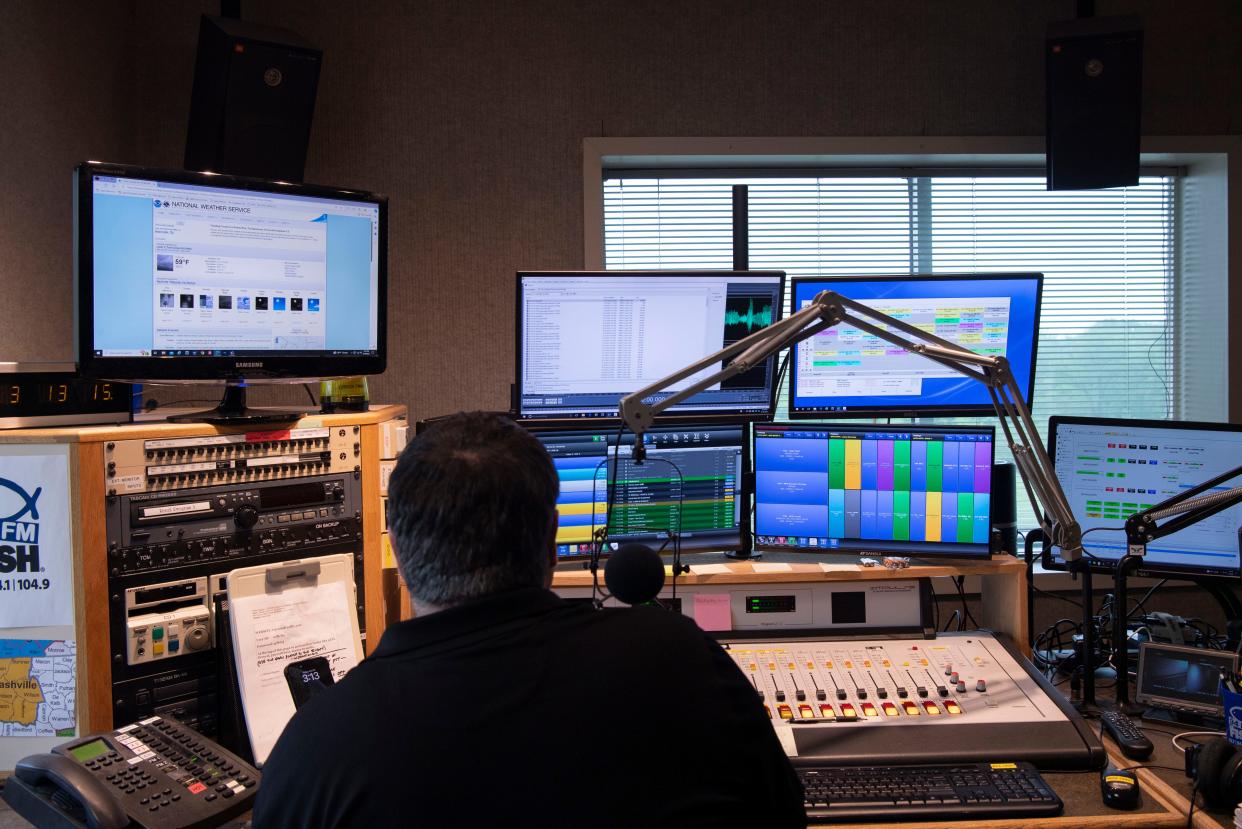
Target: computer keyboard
x,y
958,790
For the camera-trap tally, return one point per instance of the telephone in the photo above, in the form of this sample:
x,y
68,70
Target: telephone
x,y
152,774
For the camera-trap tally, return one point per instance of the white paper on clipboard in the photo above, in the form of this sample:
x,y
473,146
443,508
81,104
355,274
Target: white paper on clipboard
x,y
274,624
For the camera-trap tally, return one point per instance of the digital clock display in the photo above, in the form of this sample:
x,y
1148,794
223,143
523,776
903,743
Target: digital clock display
x,y
24,396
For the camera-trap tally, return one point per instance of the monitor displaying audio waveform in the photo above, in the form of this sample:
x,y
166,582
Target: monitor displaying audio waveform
x,y
1111,468
690,483
912,490
587,339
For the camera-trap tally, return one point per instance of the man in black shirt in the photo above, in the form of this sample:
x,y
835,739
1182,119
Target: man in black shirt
x,y
500,704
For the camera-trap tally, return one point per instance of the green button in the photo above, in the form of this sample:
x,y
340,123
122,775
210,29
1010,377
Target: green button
x,y
157,633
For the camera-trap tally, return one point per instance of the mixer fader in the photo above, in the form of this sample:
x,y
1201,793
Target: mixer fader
x,y
956,697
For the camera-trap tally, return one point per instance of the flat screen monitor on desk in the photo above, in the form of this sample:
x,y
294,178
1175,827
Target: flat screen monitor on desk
x,y
203,277
845,372
587,339
691,483
874,489
1110,468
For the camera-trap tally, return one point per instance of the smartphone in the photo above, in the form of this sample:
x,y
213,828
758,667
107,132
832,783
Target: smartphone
x,y
307,677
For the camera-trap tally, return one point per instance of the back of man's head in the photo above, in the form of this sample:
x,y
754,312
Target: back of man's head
x,y
470,509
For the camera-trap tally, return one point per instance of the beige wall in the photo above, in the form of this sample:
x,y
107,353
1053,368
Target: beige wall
x,y
471,116
64,97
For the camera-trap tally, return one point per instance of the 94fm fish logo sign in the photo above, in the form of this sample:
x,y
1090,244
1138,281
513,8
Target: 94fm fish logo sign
x,y
19,539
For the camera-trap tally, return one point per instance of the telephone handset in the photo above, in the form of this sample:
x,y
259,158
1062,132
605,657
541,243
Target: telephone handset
x,y
85,801
152,774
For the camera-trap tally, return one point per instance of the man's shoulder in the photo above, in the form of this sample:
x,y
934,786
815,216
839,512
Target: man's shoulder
x,y
664,631
650,618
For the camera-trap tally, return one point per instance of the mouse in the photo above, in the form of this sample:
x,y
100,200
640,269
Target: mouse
x,y
1119,788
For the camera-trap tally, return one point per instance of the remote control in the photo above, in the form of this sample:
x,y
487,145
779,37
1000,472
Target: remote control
x,y
1126,734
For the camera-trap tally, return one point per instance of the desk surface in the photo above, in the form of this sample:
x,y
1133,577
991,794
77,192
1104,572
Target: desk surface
x,y
794,567
1163,803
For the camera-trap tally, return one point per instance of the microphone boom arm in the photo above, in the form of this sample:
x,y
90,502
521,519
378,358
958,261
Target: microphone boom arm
x,y
1141,527
829,308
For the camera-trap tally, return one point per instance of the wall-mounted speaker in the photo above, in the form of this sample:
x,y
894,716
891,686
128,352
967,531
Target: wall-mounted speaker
x,y
1094,93
253,99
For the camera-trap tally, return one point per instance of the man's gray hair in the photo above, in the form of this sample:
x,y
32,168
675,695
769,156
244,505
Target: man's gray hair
x,y
470,508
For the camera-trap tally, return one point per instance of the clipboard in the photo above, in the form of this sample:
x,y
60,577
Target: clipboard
x,y
281,613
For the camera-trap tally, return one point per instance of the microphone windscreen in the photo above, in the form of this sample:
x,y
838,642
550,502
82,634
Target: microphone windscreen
x,y
634,574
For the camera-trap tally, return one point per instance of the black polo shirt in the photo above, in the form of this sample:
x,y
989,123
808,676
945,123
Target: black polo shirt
x,y
522,709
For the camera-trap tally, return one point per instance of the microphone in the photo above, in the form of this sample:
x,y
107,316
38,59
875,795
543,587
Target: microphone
x,y
634,574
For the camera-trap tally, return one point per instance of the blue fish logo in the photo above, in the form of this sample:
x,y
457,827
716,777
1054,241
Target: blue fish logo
x,y
27,500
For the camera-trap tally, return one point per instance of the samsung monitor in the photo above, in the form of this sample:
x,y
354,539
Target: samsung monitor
x,y
585,340
918,491
1110,468
202,277
845,372
690,484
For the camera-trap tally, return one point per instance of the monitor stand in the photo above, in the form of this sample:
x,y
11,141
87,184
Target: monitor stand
x,y
233,411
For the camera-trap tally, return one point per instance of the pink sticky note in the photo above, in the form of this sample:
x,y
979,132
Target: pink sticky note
x,y
711,611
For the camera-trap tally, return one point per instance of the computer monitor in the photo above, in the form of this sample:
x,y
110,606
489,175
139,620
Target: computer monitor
x,y
587,339
204,277
869,489
691,483
844,372
1110,468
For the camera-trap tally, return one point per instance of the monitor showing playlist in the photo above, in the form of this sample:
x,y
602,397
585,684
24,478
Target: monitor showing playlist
x,y
585,340
844,372
1112,468
898,490
690,483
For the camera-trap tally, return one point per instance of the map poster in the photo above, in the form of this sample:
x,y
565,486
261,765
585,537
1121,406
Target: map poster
x,y
36,577
38,688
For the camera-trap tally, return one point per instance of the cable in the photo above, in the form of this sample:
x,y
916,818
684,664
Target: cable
x,y
1086,533
956,615
1168,398
1052,595
958,581
310,394
1146,596
600,537
780,374
1177,737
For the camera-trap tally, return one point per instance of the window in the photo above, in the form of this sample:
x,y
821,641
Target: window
x,y
1108,256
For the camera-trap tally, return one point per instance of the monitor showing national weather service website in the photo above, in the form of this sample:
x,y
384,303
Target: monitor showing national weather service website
x,y
190,270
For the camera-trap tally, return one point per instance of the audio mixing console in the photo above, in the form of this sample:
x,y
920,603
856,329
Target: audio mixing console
x,y
958,697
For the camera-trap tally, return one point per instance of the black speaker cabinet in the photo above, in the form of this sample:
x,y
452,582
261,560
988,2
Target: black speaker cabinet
x,y
1005,508
254,95
1094,86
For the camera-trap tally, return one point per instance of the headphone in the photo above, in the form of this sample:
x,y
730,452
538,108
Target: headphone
x,y
1216,767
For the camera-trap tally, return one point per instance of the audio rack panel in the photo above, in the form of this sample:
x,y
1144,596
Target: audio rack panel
x,y
169,553
166,464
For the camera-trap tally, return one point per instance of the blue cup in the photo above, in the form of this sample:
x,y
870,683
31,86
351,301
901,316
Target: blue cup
x,y
1233,714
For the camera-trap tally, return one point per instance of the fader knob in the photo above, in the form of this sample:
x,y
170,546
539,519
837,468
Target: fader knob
x,y
246,516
